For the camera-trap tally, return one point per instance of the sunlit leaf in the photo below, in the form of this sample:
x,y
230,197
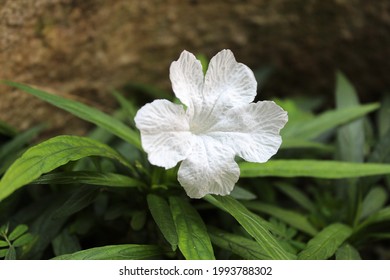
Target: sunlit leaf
x,y
49,155
253,224
323,245
18,231
194,241
23,240
312,168
115,252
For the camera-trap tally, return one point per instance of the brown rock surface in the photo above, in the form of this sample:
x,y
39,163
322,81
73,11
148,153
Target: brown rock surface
x,y
81,49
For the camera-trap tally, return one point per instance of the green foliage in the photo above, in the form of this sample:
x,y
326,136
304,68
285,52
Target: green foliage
x,y
194,241
323,196
115,252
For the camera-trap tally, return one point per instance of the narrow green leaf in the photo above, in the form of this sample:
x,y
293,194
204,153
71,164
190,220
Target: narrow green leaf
x,y
297,195
374,201
115,252
18,231
84,112
347,252
3,243
325,243
49,155
383,116
23,240
311,129
291,218
89,177
239,245
377,217
253,224
194,241
312,168
304,144
350,137
78,200
242,194
128,106
162,215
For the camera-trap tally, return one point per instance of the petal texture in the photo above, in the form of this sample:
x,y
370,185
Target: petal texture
x,y
209,169
252,130
187,79
165,132
228,83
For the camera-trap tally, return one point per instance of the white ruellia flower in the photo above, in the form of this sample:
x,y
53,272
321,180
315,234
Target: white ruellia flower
x,y
218,122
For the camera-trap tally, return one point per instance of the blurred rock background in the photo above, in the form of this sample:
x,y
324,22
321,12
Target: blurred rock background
x,y
82,49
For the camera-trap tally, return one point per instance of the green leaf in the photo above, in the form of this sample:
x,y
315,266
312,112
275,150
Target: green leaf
x,y
3,252
350,137
138,220
312,168
49,155
18,231
374,201
194,241
162,215
383,116
78,200
11,253
115,252
84,112
65,243
325,243
347,252
3,243
89,177
291,218
311,129
297,195
23,240
242,194
377,217
239,245
304,144
128,106
253,224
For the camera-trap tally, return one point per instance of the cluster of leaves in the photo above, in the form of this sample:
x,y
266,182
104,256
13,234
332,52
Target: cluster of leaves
x,y
97,197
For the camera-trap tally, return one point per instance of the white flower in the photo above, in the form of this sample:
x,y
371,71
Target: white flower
x,y
218,123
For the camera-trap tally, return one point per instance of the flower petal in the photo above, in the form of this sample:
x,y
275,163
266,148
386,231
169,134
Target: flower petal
x,y
228,83
252,130
209,169
187,79
165,132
